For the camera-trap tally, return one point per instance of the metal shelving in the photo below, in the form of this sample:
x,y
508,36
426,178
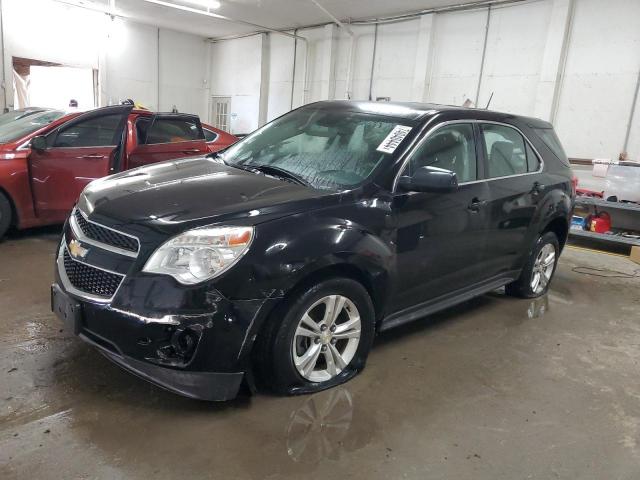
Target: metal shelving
x,y
617,239
598,202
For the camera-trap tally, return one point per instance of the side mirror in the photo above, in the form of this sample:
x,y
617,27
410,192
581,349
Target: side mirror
x,y
430,179
39,143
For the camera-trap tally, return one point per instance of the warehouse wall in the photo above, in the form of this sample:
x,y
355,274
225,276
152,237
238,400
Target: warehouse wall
x,y
438,58
600,77
235,73
159,68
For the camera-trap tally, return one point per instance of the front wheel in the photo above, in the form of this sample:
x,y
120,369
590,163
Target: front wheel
x,y
319,338
539,269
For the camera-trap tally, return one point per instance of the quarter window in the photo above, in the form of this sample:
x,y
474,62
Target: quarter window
x,y
451,147
95,132
210,136
507,152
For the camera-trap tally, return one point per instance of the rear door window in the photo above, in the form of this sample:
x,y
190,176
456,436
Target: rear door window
x,y
169,130
100,131
507,152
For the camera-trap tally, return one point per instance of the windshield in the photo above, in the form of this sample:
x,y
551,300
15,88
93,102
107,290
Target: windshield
x,y
14,115
24,126
326,149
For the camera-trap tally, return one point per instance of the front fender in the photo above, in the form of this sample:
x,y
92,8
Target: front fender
x,y
303,246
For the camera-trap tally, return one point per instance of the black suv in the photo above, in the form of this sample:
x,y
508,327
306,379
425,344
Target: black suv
x,y
276,261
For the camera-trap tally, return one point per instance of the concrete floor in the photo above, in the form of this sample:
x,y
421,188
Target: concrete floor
x,y
497,388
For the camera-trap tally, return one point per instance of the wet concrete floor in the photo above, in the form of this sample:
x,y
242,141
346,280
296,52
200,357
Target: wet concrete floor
x,y
496,388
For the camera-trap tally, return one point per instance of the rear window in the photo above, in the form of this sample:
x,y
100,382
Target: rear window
x,y
551,140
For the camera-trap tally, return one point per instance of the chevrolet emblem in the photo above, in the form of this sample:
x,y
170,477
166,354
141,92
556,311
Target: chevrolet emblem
x,y
76,250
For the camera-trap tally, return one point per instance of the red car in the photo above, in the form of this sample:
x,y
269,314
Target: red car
x,y
46,162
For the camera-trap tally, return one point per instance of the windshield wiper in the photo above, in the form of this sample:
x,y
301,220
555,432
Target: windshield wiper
x,y
280,172
218,156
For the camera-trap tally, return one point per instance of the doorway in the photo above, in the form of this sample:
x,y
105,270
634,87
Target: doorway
x,y
219,114
51,85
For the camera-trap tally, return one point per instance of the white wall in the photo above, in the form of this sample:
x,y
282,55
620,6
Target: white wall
x,y
600,76
183,73
125,53
513,62
438,58
236,73
279,94
131,64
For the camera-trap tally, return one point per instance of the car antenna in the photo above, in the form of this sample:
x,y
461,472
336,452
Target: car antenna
x,y
489,102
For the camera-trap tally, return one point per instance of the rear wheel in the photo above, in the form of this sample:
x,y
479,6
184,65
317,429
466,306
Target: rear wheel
x,y
537,273
6,214
318,339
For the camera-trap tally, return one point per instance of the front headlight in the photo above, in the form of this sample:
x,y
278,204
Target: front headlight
x,y
200,254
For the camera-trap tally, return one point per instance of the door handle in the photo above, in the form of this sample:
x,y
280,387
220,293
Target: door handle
x,y
476,204
93,156
192,150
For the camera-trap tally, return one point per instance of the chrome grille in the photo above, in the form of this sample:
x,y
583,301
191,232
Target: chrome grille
x,y
105,235
90,279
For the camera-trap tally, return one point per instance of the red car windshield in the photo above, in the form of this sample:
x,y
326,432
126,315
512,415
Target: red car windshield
x,y
17,129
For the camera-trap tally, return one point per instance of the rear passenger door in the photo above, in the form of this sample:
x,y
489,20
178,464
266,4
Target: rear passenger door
x,y
165,137
515,188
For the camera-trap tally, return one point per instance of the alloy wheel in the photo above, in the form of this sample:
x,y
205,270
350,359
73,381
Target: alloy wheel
x,y
543,268
326,338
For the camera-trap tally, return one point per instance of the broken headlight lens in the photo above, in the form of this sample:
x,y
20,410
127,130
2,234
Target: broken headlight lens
x,y
200,254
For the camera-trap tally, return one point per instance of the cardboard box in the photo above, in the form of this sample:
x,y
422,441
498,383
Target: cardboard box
x,y
635,254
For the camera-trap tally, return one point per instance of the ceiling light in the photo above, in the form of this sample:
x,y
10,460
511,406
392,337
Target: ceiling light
x,y
211,4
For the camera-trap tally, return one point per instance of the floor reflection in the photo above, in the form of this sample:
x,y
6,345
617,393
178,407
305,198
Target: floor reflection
x,y
538,307
316,429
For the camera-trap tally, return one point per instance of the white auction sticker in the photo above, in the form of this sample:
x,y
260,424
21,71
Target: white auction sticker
x,y
394,139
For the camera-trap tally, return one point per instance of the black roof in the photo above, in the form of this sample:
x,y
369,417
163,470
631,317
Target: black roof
x,y
415,111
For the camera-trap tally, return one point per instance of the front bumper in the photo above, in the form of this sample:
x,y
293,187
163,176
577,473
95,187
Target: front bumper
x,y
197,385
211,369
191,340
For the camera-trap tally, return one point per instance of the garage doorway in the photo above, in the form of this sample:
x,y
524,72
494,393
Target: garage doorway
x,y
50,85
219,115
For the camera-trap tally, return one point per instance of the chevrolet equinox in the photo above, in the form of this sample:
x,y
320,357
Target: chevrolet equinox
x,y
275,262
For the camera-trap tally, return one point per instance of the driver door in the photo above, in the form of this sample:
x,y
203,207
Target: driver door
x,y
441,237
79,151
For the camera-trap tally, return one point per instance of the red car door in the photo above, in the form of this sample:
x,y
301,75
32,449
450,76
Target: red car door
x,y
77,152
167,136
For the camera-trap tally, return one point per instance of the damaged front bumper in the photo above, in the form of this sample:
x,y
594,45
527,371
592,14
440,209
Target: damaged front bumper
x,y
201,356
197,385
191,340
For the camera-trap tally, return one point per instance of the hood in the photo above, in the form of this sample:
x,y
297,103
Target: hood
x,y
195,191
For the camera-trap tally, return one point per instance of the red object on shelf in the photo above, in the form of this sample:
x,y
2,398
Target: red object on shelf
x,y
600,223
584,192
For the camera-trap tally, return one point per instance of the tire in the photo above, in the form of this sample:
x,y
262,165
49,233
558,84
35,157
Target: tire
x,y
281,349
6,215
526,286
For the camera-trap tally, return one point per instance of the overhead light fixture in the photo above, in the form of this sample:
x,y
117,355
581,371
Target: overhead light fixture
x,y
209,4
